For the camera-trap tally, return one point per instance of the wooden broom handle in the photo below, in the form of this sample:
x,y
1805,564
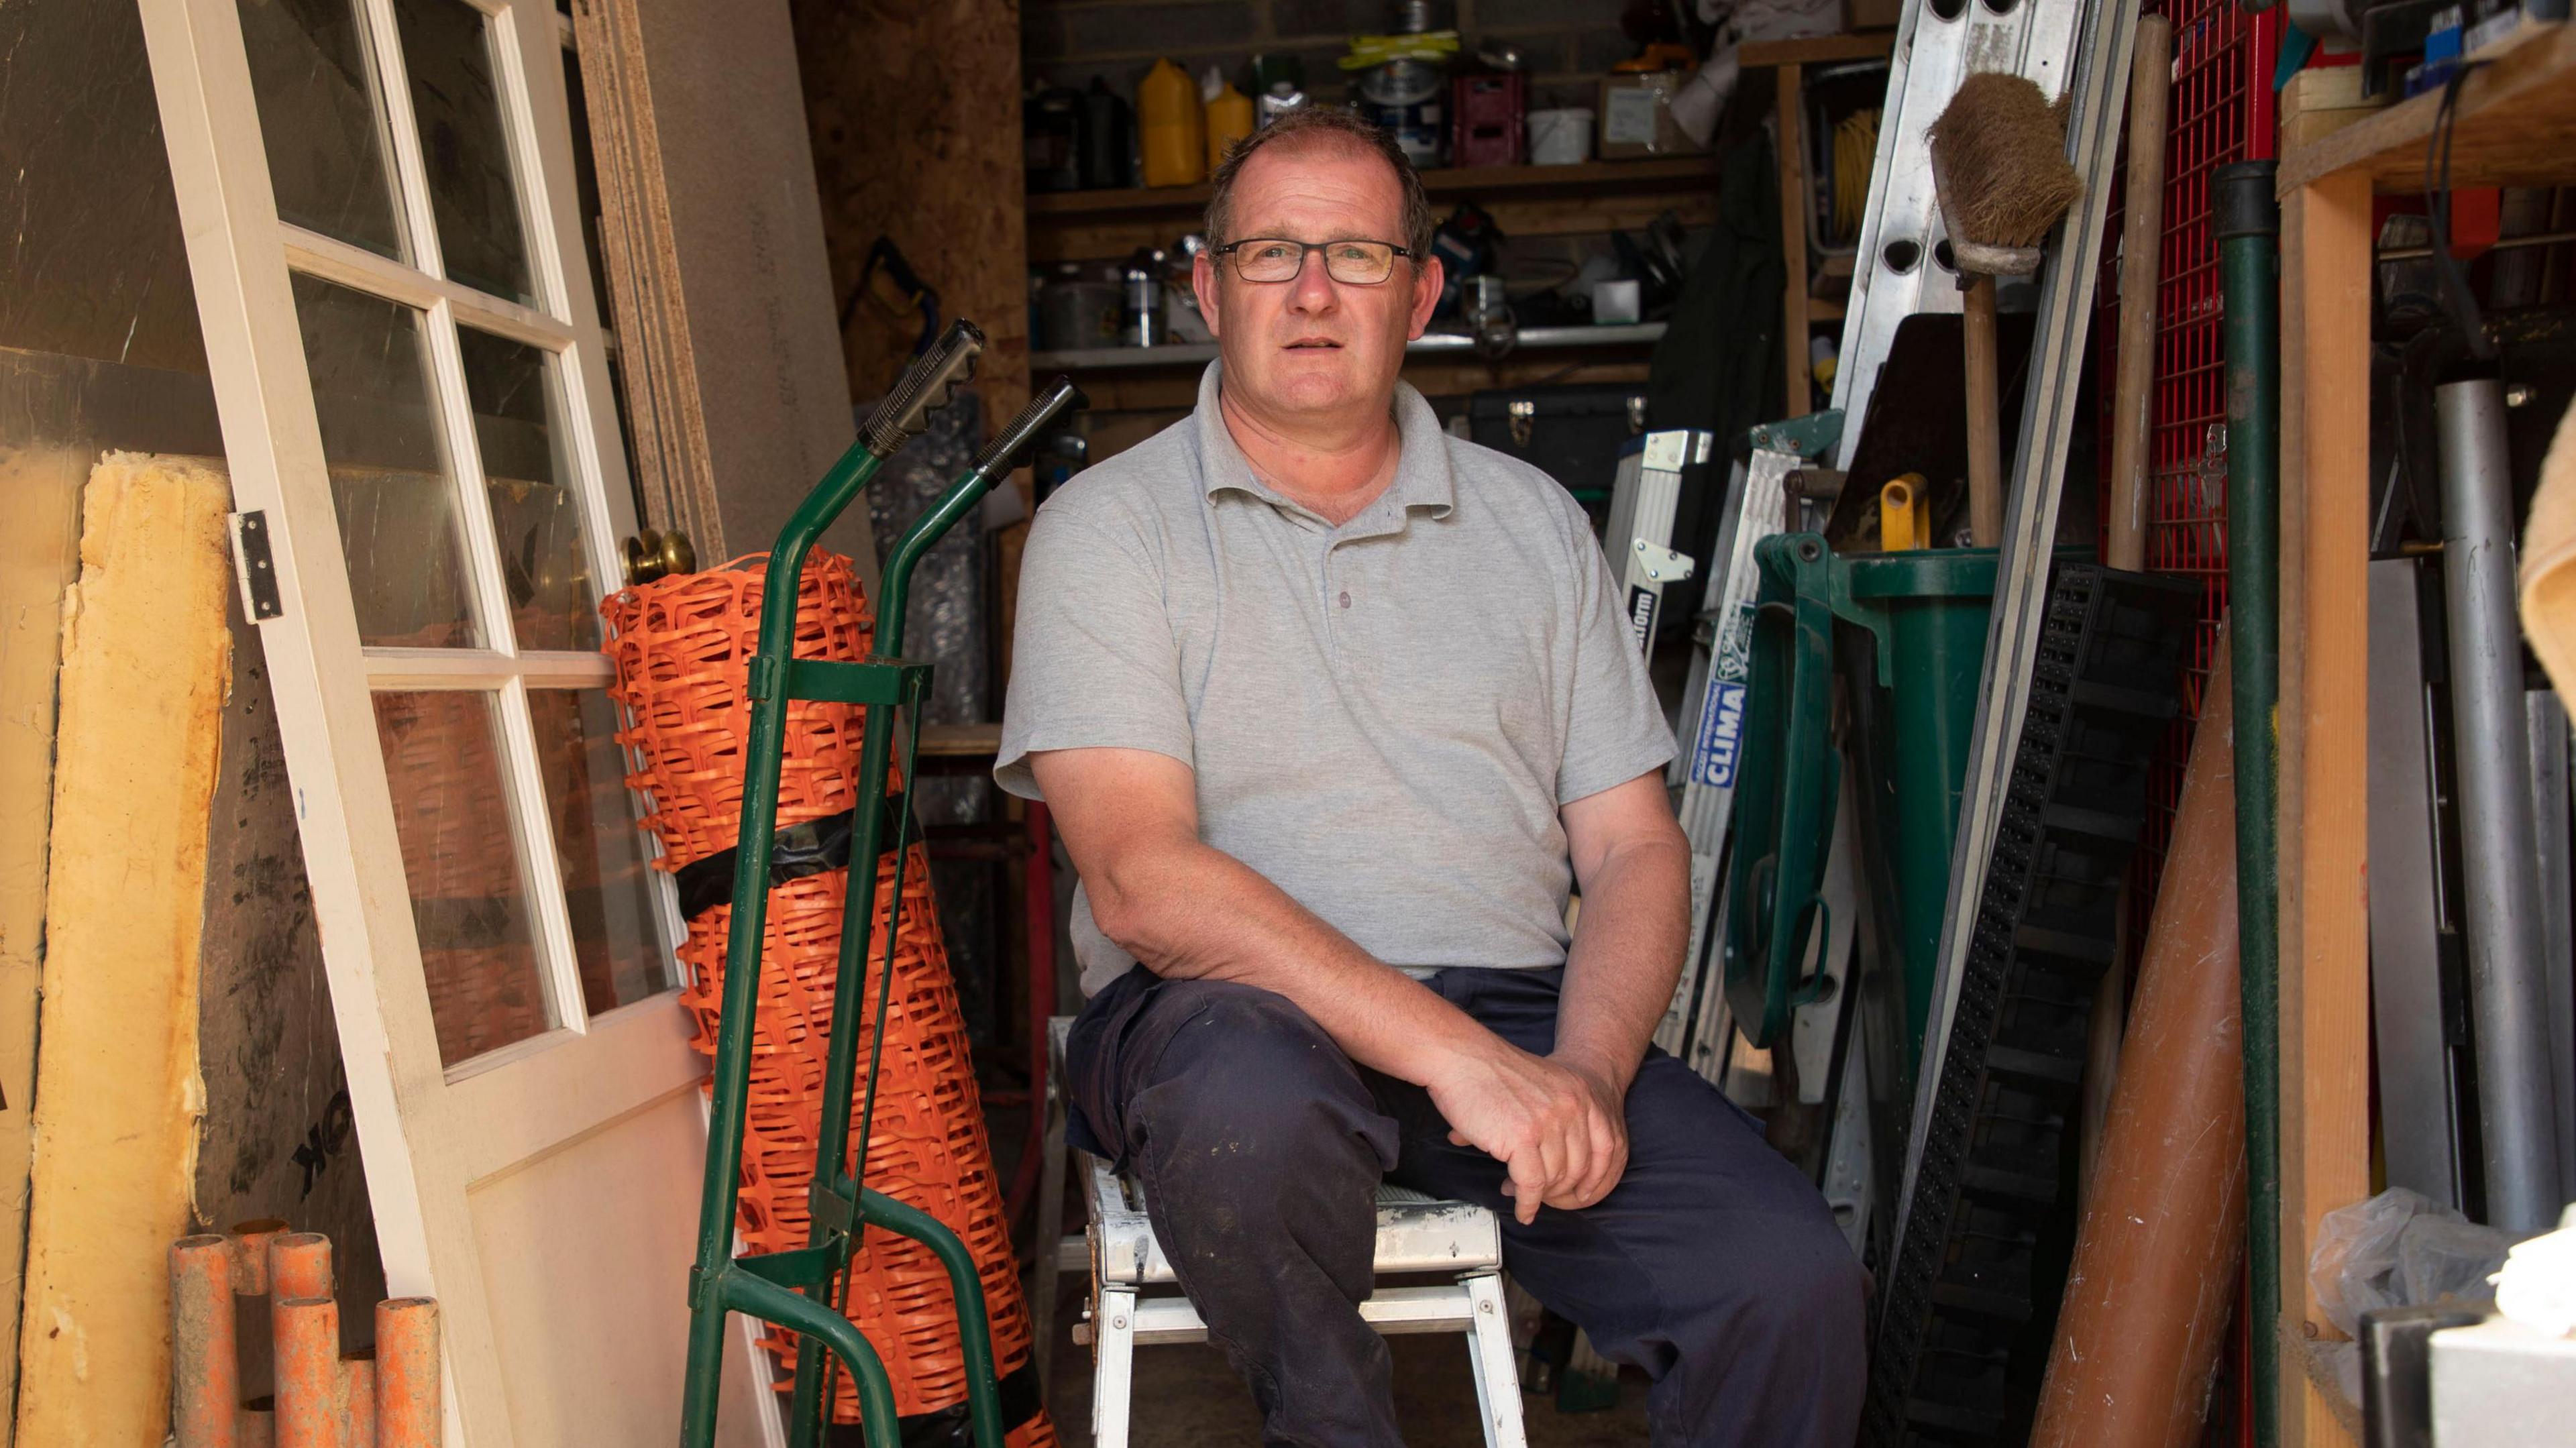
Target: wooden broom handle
x,y
1985,424
2141,239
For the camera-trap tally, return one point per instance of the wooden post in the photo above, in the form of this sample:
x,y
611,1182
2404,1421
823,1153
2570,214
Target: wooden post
x,y
1792,143
2323,721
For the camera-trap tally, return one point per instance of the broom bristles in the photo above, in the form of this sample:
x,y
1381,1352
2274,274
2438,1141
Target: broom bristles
x,y
2000,149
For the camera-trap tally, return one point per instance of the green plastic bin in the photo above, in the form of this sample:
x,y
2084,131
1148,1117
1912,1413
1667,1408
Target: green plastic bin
x,y
1927,611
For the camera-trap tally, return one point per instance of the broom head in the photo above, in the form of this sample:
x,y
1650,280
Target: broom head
x,y
1999,163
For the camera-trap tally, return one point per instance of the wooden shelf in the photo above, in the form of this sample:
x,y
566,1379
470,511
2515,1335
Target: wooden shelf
x,y
1526,201
1445,182
2516,125
1816,49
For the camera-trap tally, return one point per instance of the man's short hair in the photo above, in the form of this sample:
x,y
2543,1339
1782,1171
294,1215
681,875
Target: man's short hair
x,y
1319,124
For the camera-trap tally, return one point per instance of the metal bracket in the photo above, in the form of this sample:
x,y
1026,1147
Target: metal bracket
x,y
1661,564
255,567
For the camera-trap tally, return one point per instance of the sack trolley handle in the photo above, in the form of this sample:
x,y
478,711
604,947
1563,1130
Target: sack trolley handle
x,y
798,1289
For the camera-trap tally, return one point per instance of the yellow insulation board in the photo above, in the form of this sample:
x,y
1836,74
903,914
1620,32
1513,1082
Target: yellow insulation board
x,y
145,665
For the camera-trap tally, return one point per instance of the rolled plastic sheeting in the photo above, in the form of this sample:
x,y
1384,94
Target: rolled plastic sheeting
x,y
2155,1272
682,646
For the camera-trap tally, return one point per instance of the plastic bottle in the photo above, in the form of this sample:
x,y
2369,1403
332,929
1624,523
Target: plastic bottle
x,y
1173,127
1229,119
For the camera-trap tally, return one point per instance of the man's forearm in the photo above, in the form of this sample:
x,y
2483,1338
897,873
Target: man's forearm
x,y
1627,955
1191,911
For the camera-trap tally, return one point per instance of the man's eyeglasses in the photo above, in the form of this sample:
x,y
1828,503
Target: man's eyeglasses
x,y
1279,259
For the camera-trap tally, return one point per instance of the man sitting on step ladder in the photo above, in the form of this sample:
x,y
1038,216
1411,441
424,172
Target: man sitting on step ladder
x,y
1332,709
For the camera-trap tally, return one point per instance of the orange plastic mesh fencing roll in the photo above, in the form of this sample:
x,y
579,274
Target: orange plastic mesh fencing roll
x,y
682,646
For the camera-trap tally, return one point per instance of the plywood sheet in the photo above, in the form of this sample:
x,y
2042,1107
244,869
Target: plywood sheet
x,y
145,665
916,137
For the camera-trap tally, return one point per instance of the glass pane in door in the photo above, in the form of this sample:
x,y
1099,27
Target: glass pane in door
x,y
520,426
465,145
390,478
461,856
322,121
607,880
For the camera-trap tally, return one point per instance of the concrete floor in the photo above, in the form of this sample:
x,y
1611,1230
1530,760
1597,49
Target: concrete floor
x,y
1187,1397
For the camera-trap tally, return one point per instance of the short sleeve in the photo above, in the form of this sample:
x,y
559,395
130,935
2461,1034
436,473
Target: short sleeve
x,y
1615,726
1094,663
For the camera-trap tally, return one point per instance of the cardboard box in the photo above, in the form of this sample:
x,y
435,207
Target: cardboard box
x,y
1637,116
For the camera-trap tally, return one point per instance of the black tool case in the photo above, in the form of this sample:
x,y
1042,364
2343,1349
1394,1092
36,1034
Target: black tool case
x,y
1572,433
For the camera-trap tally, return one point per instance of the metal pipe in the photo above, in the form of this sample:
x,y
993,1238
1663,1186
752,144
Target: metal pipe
x,y
2245,220
205,1382
2508,991
408,1413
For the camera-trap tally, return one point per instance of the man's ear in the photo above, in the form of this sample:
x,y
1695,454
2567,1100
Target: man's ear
x,y
1203,281
1426,296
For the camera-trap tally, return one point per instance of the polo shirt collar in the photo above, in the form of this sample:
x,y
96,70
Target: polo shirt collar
x,y
1423,478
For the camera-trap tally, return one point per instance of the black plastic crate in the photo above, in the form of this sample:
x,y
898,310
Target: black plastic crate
x,y
1972,1287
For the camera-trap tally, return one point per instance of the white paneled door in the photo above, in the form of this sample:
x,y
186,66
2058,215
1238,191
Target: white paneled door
x,y
412,376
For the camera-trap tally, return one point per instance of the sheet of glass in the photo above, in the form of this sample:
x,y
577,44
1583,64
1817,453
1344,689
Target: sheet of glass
x,y
465,146
322,121
608,885
469,892
390,477
520,426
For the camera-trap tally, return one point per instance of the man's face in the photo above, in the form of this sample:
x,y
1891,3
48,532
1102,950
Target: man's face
x,y
1314,347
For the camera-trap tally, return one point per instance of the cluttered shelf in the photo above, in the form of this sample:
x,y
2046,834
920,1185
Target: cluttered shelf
x,y
1440,182
1579,199
2514,125
1433,344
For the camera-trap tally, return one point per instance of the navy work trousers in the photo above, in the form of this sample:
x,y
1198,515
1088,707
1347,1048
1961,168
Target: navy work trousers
x,y
1713,1264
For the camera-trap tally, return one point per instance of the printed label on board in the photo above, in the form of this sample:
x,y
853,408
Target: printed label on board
x,y
1643,604
1721,731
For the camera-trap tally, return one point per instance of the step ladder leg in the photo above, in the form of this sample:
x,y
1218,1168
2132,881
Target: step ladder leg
x,y
1113,1378
1050,1226
1489,1350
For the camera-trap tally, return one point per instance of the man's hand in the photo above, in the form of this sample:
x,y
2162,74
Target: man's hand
x,y
1557,1124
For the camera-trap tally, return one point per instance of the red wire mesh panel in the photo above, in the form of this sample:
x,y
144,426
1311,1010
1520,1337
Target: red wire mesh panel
x,y
2221,112
682,646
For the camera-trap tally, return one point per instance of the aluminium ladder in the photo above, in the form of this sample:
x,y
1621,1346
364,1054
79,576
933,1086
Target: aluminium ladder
x,y
799,1290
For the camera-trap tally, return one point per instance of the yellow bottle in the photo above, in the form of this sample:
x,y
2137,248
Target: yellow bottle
x,y
1174,131
1229,119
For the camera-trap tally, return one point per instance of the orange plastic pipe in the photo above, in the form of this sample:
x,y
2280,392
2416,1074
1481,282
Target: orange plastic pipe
x,y
358,1396
256,1423
205,1371
311,1404
299,1265
408,1412
250,1254
252,1331
2156,1261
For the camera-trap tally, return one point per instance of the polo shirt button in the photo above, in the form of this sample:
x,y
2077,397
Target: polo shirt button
x,y
1346,598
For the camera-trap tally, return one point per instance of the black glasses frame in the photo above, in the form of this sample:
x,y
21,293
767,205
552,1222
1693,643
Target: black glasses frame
x,y
1306,248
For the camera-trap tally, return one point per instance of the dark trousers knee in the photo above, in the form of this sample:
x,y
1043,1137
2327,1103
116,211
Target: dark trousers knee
x,y
1259,1147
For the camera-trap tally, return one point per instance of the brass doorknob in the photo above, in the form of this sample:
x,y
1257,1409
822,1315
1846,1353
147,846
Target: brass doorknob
x,y
652,555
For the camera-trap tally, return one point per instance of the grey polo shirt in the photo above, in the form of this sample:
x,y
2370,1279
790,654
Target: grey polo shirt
x,y
1384,718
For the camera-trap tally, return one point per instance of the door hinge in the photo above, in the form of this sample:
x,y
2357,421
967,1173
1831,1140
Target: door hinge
x,y
256,567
